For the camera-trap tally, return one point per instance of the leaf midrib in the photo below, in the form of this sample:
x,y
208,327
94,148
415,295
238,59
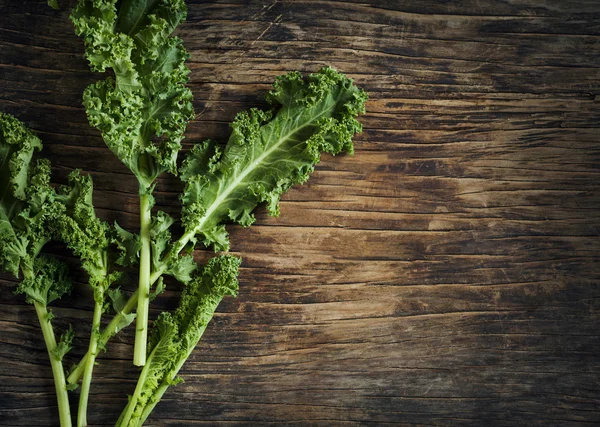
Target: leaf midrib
x,y
229,189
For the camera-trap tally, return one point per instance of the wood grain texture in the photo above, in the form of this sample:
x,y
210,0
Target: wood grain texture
x,y
447,274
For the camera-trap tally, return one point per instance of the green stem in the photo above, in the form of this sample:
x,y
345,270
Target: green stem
x,y
141,321
111,329
64,410
89,364
166,382
125,417
158,394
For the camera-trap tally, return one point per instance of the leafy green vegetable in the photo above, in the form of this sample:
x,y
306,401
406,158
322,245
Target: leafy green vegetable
x,y
27,208
89,238
147,98
31,214
175,336
142,112
86,235
47,282
20,235
268,152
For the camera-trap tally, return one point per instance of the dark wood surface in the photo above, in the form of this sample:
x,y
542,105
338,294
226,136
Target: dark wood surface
x,y
447,274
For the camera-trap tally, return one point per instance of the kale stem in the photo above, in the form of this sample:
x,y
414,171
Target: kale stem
x,y
89,362
62,397
112,328
125,417
109,331
141,321
158,394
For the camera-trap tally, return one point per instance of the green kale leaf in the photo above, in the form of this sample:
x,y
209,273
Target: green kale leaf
x,y
143,112
174,336
268,152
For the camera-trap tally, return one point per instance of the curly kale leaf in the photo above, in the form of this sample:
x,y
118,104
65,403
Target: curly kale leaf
x,y
268,152
27,199
49,282
29,210
83,232
174,336
143,112
17,147
197,305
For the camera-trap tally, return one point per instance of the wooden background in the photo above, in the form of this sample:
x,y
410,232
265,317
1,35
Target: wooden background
x,y
447,274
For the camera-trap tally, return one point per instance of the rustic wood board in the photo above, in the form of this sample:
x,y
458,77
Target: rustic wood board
x,y
447,274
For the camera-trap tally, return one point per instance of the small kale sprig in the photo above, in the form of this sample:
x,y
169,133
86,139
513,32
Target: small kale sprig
x,y
89,238
28,206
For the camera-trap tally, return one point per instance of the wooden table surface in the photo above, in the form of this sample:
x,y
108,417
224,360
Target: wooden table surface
x,y
446,274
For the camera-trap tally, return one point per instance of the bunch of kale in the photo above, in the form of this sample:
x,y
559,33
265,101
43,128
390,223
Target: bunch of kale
x,y
142,111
